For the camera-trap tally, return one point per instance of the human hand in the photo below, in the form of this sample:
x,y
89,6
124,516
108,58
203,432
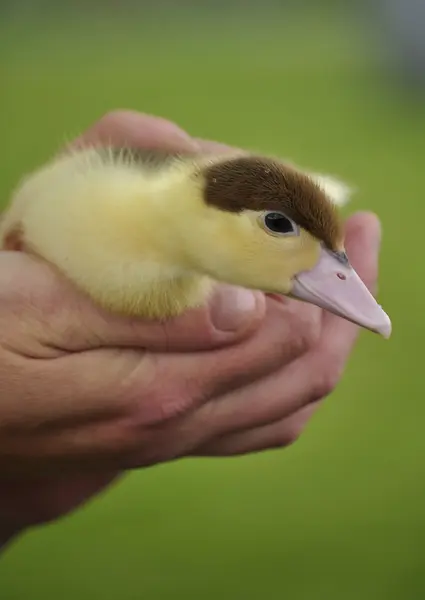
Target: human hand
x,y
88,395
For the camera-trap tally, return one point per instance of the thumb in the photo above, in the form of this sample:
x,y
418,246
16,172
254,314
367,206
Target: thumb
x,y
50,308
230,316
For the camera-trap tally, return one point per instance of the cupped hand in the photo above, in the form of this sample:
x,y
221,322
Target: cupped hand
x,y
87,395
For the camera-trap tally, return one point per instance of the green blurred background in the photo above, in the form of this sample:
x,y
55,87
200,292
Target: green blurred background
x,y
341,514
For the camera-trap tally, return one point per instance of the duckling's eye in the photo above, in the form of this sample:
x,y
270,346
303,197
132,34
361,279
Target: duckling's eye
x,y
277,223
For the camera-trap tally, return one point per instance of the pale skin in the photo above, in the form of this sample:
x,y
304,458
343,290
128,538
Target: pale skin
x,y
86,396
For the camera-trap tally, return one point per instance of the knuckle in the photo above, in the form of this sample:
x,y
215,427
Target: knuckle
x,y
172,405
157,443
154,394
325,383
291,432
157,447
304,332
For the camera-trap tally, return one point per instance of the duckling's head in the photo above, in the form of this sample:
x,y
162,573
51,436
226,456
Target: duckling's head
x,y
271,227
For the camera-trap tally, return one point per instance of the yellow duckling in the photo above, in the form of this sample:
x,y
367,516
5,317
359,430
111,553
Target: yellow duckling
x,y
146,233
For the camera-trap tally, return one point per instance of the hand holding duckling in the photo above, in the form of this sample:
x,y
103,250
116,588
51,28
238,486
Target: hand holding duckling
x,y
91,393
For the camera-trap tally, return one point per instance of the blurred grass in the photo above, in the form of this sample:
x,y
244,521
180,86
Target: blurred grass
x,y
341,515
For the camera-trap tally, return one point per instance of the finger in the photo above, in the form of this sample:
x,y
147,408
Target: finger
x,y
209,146
264,401
137,130
60,319
272,436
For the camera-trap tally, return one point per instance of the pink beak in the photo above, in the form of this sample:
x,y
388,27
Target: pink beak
x,y
334,285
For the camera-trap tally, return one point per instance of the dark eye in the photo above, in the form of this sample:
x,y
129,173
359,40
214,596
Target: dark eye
x,y
279,224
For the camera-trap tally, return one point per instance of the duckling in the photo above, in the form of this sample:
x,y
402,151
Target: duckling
x,y
147,234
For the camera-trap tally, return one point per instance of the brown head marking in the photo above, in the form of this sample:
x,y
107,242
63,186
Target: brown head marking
x,y
259,184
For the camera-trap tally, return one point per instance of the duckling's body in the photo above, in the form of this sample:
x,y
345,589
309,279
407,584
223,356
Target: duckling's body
x,y
147,234
120,248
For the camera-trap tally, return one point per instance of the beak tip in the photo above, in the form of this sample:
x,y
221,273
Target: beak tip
x,y
385,328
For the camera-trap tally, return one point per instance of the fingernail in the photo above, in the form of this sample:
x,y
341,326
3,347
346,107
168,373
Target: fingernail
x,y
232,308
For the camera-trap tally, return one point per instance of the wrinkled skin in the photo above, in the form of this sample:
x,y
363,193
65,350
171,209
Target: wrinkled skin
x,y
87,395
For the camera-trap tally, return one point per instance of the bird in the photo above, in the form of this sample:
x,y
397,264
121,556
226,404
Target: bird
x,y
148,234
